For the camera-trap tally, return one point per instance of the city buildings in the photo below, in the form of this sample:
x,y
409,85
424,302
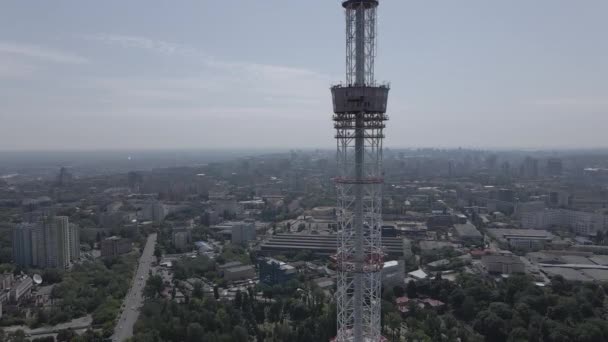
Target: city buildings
x,y
554,167
239,272
523,208
429,247
22,244
468,234
529,168
581,222
57,242
74,240
273,271
182,237
22,288
225,205
321,244
114,246
243,232
155,211
393,273
204,248
503,264
238,232
560,199
522,238
51,243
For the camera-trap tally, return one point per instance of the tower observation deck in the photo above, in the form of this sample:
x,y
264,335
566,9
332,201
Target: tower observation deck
x,y
359,119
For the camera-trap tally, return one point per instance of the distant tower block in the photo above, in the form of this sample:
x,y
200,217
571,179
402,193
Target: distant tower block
x,y
359,119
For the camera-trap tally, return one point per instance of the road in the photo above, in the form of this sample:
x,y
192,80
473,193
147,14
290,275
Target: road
x,y
134,299
81,323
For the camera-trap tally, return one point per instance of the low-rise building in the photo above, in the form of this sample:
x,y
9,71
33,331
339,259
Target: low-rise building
x,y
181,238
581,222
22,288
239,273
114,246
243,232
320,244
503,264
325,283
204,248
429,247
468,234
522,238
273,271
403,304
6,281
230,265
393,273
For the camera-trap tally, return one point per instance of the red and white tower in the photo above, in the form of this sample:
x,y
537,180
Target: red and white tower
x,y
359,119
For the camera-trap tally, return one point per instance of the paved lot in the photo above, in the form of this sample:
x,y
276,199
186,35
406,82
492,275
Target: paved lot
x,y
134,299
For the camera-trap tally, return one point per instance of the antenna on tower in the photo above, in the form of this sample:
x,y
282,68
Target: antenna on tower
x,y
359,119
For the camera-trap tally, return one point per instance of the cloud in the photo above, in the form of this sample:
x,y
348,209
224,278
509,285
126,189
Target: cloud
x,y
185,51
12,68
219,81
40,53
154,45
573,102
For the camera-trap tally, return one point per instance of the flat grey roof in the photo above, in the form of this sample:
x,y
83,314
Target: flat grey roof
x,y
567,273
501,259
230,264
576,259
467,230
599,275
321,244
600,259
520,233
428,244
239,268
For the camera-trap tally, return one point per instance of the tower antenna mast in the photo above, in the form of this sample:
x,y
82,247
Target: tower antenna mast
x,y
359,119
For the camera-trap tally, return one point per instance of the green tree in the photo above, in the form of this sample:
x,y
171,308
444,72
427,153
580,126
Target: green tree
x,y
589,332
158,253
412,289
197,291
518,334
491,326
467,311
195,332
154,286
239,334
398,291
65,335
393,321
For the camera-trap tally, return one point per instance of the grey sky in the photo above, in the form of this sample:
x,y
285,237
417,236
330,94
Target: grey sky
x,y
242,73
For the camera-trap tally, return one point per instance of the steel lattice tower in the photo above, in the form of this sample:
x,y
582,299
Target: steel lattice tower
x,y
359,119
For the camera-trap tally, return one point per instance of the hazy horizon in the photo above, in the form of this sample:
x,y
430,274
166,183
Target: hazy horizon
x,y
256,75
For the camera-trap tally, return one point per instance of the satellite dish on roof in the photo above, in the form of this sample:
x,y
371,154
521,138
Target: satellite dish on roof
x,y
37,279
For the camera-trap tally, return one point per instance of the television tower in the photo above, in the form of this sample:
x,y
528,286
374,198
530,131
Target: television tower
x,y
359,119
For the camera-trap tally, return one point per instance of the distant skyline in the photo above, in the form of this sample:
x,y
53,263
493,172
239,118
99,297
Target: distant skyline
x,y
256,74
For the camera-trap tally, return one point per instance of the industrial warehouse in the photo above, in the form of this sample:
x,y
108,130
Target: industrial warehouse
x,y
322,245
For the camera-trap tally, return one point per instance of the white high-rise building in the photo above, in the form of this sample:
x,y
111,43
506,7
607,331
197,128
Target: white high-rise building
x,y
581,222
